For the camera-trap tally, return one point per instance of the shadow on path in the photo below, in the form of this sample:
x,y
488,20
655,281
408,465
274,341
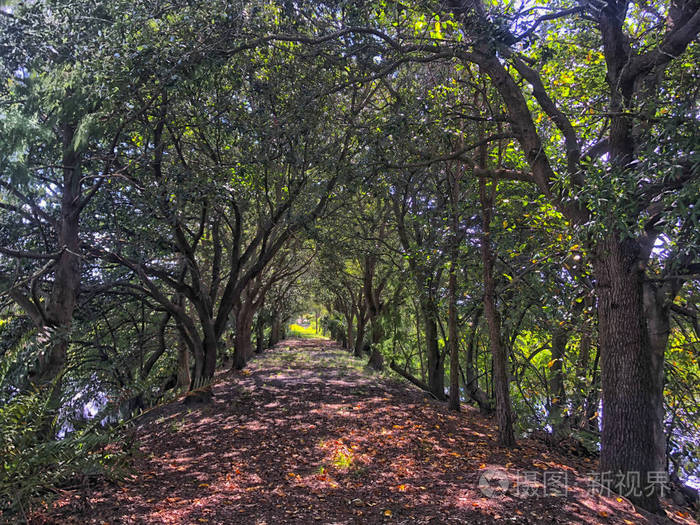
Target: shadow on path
x,y
307,435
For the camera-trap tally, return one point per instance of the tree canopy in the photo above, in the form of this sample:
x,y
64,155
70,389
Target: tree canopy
x,y
497,201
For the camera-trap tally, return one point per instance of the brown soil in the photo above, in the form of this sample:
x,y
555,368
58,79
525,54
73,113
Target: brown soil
x,y
304,435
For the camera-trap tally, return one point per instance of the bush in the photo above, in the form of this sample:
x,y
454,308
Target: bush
x,y
335,327
34,462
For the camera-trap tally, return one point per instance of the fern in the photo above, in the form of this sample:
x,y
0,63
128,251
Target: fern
x,y
33,464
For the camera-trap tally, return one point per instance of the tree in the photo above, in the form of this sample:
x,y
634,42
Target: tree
x,y
501,381
633,308
228,190
55,156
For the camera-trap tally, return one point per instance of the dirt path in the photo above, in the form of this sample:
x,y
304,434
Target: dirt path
x,y
305,435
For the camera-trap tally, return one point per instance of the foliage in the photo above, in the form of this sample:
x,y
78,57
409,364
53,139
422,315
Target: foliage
x,y
305,332
35,466
179,178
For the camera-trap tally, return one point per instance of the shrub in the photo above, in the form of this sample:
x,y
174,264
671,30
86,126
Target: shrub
x,y
34,462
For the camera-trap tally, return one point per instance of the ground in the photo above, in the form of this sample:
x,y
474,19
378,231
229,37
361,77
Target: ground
x,y
307,435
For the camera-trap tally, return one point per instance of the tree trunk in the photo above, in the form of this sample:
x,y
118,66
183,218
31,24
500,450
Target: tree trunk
x,y
436,366
190,337
582,383
259,334
283,328
198,372
274,330
452,338
472,386
593,398
658,324
211,348
376,359
420,384
183,366
631,375
501,383
349,321
243,347
375,310
360,334
418,341
454,180
64,293
557,420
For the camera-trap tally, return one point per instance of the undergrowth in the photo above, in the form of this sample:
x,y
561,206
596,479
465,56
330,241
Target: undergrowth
x,y
35,463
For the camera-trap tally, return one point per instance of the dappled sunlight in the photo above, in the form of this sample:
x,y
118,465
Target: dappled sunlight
x,y
300,437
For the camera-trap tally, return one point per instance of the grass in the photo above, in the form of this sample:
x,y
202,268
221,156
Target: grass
x,y
310,332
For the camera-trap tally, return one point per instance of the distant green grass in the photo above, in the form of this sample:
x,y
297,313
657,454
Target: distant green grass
x,y
296,330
